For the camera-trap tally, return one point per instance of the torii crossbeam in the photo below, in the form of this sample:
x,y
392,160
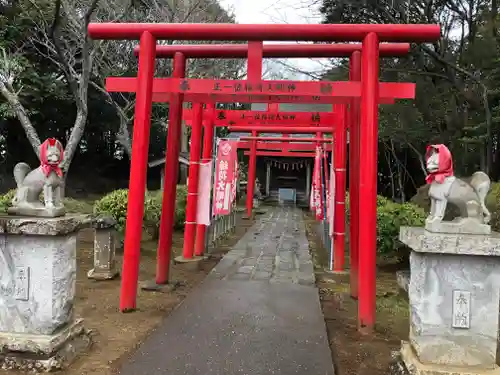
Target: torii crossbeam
x,y
207,90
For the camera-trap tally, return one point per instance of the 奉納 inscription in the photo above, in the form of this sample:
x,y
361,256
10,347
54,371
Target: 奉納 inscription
x,y
461,309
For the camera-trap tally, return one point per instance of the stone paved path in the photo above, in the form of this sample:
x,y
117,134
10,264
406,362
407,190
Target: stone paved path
x,y
275,249
257,312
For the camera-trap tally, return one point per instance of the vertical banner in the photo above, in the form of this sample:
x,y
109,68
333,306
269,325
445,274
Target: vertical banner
x,y
314,180
311,195
235,181
317,185
204,182
224,175
327,184
331,215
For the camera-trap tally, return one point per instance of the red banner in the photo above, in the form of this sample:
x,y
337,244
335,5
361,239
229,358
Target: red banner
x,y
317,184
224,176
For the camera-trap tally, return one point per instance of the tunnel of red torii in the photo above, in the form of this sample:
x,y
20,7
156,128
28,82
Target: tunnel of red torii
x,y
121,84
363,94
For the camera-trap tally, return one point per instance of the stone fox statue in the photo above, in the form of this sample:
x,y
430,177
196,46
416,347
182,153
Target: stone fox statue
x,y
47,178
445,187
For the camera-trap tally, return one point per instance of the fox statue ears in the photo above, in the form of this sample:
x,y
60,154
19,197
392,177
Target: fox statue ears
x,y
45,146
445,163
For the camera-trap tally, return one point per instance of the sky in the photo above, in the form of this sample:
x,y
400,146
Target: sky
x,y
281,11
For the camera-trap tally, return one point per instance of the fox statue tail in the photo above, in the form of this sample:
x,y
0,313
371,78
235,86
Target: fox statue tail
x,y
21,170
480,182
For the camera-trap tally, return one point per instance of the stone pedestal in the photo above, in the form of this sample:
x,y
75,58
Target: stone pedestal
x,y
459,225
454,299
37,292
104,249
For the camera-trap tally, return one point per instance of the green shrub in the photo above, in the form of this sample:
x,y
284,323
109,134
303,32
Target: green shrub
x,y
6,200
390,217
493,204
152,210
180,206
115,204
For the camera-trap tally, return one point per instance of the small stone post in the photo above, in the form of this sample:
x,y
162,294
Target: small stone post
x,y
104,249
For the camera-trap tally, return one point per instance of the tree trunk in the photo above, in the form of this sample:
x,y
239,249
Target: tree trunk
x,y
74,139
22,116
123,137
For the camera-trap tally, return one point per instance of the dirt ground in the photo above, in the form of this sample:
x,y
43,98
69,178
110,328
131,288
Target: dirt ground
x,y
116,334
352,353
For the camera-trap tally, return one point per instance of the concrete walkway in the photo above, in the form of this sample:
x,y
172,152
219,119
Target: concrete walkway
x,y
257,313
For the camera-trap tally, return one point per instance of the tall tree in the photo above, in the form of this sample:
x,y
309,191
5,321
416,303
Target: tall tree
x,y
454,75
59,34
117,57
55,32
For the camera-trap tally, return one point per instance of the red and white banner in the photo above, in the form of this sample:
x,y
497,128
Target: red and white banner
x,y
224,176
235,181
327,184
317,185
204,183
331,199
313,183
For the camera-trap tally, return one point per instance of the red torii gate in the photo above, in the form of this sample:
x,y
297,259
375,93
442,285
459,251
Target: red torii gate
x,y
331,92
281,129
276,148
120,84
235,51
285,145
222,118
288,153
293,150
231,51
369,34
313,92
285,139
